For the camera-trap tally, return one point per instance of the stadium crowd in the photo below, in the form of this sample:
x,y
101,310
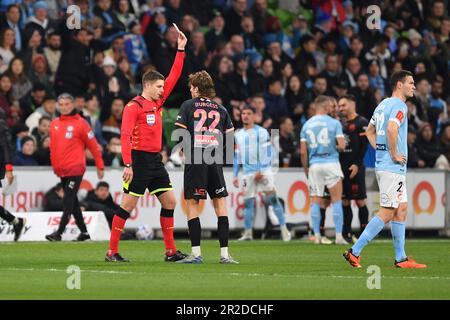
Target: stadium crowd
x,y
277,56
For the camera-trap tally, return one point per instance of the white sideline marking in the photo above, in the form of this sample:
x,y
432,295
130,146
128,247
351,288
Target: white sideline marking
x,y
237,274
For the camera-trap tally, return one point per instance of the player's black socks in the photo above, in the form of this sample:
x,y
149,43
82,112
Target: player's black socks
x,y
223,231
363,217
322,221
348,217
6,215
195,231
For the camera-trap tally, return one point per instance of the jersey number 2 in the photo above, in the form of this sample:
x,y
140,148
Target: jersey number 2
x,y
213,114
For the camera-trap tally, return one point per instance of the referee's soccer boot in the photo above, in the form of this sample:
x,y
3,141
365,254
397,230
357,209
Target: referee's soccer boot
x,y
192,260
115,257
83,237
18,228
55,236
352,259
177,256
409,263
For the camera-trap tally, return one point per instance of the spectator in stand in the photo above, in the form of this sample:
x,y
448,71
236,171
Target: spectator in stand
x,y
123,13
252,40
351,72
5,93
413,157
331,72
245,81
276,105
52,53
112,154
233,17
289,146
7,48
111,24
112,125
215,35
443,161
100,199
259,104
32,100
197,50
53,199
135,46
376,80
25,157
365,98
221,70
413,119
42,154
427,145
380,52
42,129
21,85
90,113
11,20
296,97
39,73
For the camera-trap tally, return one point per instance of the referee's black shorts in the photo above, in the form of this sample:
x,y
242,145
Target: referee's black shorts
x,y
148,173
354,189
200,179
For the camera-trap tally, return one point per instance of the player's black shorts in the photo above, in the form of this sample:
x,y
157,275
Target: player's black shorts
x,y
200,179
354,189
148,173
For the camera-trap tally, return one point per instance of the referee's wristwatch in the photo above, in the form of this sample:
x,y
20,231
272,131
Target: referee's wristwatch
x,y
128,165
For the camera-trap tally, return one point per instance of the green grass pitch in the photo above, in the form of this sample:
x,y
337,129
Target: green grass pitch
x,y
267,270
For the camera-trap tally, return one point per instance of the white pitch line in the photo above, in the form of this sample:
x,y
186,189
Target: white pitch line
x,y
237,274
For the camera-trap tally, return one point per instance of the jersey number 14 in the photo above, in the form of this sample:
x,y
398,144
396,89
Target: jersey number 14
x,y
322,138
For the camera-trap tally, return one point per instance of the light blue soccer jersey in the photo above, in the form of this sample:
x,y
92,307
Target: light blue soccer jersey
x,y
390,109
320,133
253,150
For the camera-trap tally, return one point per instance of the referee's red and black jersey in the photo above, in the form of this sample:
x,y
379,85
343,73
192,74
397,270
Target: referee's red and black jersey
x,y
142,118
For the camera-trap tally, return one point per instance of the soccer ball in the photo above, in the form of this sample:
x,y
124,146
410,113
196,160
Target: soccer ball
x,y
145,233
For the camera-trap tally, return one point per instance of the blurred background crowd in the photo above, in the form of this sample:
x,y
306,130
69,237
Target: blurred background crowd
x,y
277,56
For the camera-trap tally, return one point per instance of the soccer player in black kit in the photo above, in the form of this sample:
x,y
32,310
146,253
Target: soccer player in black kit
x,y
206,123
352,163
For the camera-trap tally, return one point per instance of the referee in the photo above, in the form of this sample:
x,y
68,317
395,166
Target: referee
x,y
141,142
352,163
70,134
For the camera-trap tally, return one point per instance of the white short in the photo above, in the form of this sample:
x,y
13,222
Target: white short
x,y
323,175
392,189
251,187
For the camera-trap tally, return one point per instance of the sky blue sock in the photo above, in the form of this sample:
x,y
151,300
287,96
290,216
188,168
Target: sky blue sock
x,y
398,237
373,228
338,216
248,213
277,208
315,217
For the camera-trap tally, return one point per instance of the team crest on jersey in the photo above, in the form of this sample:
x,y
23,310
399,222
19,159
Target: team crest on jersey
x,y
151,119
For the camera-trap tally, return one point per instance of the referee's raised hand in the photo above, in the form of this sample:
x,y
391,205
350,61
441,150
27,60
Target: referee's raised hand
x,y
182,40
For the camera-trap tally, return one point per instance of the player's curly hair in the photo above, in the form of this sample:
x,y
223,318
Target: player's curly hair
x,y
205,84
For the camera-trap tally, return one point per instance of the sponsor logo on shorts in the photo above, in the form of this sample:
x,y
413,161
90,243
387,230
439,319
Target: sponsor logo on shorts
x,y
385,199
220,190
200,192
